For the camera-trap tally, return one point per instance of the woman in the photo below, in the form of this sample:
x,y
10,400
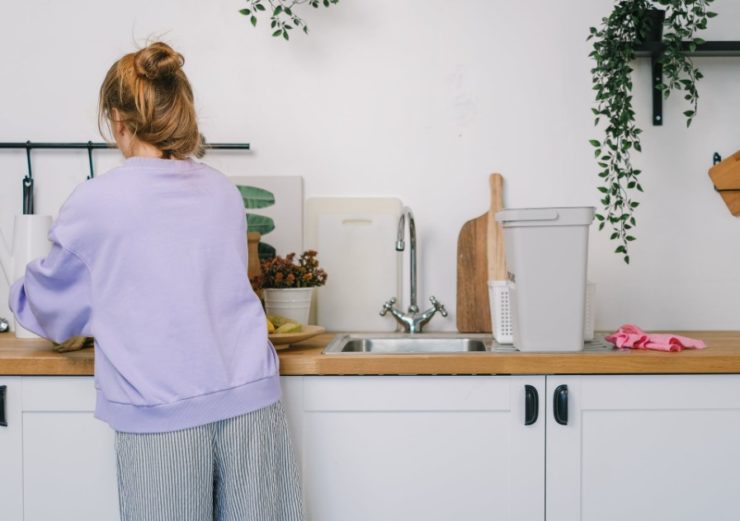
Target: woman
x,y
150,259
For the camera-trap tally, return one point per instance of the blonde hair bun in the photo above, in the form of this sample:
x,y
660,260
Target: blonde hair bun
x,y
153,99
157,61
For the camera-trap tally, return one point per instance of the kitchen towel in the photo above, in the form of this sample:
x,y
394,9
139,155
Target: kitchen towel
x,y
630,336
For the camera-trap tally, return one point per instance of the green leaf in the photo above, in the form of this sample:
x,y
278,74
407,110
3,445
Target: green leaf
x,y
260,223
630,238
594,143
627,259
254,21
259,7
278,10
620,249
285,35
266,251
245,11
255,197
277,33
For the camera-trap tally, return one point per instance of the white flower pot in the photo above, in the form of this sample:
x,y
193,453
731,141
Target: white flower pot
x,y
292,303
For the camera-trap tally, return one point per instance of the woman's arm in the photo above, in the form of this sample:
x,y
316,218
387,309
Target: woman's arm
x,y
53,299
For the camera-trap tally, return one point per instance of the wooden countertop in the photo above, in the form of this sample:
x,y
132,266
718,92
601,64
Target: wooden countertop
x,y
35,357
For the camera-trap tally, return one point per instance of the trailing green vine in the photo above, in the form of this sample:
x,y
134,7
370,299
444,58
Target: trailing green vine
x,y
613,52
283,19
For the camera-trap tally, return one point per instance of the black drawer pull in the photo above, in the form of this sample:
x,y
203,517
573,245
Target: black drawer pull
x,y
531,405
3,419
560,404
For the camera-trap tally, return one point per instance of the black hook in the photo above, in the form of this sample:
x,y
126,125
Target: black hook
x,y
716,158
27,207
28,158
89,157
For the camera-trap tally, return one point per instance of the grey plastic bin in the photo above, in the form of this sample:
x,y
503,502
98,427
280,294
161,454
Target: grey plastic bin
x,y
547,256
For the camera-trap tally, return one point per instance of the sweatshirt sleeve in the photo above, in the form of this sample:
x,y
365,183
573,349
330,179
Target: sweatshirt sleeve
x,y
53,299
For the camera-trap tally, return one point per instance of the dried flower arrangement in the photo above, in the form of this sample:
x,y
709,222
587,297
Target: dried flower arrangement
x,y
280,272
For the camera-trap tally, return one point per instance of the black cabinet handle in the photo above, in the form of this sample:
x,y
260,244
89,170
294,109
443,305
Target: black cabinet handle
x,y
3,419
531,405
560,404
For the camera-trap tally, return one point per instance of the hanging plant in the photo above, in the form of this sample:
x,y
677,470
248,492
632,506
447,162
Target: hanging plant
x,y
283,19
615,41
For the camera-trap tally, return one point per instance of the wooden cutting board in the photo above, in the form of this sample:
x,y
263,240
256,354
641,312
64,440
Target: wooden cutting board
x,y
726,178
480,258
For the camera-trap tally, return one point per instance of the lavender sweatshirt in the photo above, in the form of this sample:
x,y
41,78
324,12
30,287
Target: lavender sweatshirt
x,y
151,260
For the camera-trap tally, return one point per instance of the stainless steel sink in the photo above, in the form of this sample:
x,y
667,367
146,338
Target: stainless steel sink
x,y
403,343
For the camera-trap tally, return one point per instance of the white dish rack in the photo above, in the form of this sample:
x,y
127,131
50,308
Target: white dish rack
x,y
498,294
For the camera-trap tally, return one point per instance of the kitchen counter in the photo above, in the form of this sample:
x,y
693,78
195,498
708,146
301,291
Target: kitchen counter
x,y
35,357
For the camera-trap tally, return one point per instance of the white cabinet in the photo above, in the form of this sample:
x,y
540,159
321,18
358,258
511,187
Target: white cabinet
x,y
420,447
69,465
427,447
57,460
11,460
644,448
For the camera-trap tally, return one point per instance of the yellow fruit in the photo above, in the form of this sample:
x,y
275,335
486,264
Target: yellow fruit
x,y
270,327
289,327
277,320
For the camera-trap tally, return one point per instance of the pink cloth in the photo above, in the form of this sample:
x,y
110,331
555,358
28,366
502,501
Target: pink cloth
x,y
635,338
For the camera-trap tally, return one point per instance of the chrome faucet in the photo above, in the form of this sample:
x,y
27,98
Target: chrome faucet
x,y
413,321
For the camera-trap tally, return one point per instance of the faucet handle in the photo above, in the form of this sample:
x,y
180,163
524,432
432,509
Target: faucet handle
x,y
438,306
387,306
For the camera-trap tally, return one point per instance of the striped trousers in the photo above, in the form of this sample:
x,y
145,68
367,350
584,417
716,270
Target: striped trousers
x,y
238,469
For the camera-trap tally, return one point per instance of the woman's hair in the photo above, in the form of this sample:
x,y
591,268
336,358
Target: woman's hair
x,y
154,100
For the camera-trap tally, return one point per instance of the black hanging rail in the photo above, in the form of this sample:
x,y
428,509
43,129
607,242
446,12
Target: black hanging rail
x,y
32,145
27,206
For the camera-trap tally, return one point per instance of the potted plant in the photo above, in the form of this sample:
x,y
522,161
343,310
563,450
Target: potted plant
x,y
288,286
628,25
282,17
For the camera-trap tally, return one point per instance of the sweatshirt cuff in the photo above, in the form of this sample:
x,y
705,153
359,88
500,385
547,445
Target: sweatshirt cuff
x,y
18,304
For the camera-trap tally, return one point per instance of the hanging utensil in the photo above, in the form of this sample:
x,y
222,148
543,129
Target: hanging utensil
x,y
28,184
27,196
89,157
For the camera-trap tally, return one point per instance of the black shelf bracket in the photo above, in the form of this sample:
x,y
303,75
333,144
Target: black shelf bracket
x,y
655,50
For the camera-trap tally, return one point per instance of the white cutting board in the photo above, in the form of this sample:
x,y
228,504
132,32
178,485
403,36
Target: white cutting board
x,y
355,238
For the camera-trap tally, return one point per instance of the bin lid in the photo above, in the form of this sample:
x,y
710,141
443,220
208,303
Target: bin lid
x,y
556,216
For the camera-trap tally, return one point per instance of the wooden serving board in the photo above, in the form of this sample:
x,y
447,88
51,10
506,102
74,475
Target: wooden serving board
x,y
479,259
726,178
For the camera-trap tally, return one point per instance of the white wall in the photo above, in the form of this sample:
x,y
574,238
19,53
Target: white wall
x,y
419,99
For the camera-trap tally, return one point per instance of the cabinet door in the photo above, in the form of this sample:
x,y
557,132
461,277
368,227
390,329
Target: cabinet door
x,y
11,443
69,468
386,448
644,448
